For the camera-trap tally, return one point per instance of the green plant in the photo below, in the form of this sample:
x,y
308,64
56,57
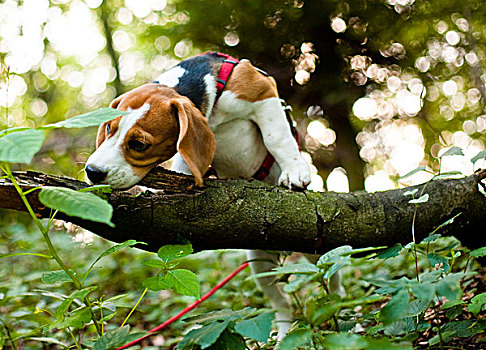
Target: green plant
x,y
78,310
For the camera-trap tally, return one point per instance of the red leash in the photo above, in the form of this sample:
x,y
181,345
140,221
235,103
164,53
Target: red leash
x,y
187,309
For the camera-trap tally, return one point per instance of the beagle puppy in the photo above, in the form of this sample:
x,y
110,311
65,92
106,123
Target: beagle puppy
x,y
183,115
178,116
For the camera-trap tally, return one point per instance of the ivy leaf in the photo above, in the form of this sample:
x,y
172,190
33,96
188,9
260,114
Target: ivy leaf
x,y
396,308
21,146
83,205
204,336
93,118
171,252
257,328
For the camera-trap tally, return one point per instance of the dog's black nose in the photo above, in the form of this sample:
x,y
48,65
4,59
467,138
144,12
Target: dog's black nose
x,y
94,174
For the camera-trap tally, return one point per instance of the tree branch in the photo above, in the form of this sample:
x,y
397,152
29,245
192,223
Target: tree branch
x,y
244,214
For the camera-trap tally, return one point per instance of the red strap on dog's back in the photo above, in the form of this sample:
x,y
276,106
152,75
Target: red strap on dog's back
x,y
224,73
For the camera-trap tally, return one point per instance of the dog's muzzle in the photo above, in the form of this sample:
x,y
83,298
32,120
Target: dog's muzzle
x,y
94,174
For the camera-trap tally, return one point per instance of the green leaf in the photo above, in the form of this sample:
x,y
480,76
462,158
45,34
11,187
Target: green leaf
x,y
257,328
20,147
220,315
410,192
453,151
229,341
477,253
386,344
436,260
77,319
171,252
396,308
157,283
204,336
479,156
413,172
334,256
300,338
49,341
93,118
455,329
448,175
79,294
303,268
447,222
449,287
431,238
424,291
59,276
422,199
116,338
155,263
477,303
183,282
390,252
345,341
112,250
83,205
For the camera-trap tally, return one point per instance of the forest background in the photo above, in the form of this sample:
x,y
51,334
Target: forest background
x,y
378,90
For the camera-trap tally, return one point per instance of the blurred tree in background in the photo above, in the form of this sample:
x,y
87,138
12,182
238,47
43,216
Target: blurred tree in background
x,y
378,88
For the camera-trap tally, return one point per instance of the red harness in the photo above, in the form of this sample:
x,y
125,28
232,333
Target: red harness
x,y
228,64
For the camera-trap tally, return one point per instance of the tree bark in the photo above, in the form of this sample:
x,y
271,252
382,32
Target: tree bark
x,y
243,214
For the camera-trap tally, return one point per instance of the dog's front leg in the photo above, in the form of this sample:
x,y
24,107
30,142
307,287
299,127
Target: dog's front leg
x,y
278,139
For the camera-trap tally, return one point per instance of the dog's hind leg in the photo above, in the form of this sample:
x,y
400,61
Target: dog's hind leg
x,y
261,261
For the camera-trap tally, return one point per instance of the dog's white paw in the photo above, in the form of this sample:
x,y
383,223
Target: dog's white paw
x,y
295,175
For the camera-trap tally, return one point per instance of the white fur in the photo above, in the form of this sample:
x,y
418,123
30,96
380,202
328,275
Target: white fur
x,y
171,77
211,93
109,156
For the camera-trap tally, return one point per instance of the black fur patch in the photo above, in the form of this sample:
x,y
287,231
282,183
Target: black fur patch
x,y
192,84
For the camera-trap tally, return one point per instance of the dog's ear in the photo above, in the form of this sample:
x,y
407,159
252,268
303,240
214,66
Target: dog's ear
x,y
116,102
101,135
196,143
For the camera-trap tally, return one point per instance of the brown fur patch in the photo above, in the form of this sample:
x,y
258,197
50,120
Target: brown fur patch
x,y
249,84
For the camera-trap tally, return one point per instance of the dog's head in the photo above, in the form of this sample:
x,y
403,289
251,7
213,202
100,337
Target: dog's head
x,y
160,123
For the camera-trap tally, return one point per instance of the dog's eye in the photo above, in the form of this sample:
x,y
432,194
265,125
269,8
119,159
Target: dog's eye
x,y
137,145
108,129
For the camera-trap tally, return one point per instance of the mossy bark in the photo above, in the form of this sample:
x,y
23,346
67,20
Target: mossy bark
x,y
242,214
